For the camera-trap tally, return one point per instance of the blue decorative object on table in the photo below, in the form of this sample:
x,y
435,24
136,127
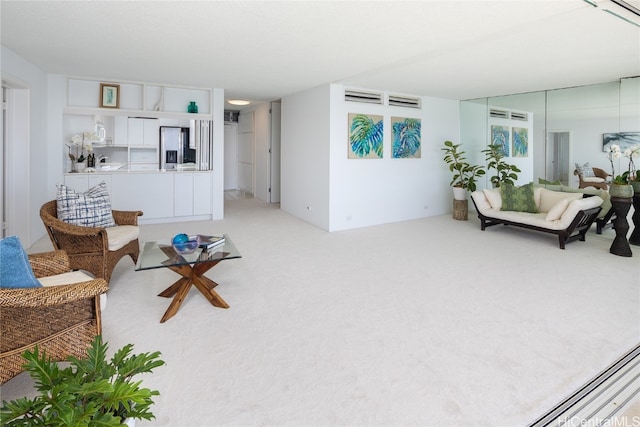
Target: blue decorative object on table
x,y
184,244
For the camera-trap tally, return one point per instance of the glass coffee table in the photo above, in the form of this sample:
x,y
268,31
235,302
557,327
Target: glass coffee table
x,y
191,267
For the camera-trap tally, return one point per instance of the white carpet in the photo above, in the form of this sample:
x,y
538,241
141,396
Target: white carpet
x,y
425,322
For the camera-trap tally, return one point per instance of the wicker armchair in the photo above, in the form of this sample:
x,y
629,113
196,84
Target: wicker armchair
x,y
88,247
63,320
600,174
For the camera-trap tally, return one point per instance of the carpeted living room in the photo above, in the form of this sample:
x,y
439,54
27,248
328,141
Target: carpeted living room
x,y
395,324
353,288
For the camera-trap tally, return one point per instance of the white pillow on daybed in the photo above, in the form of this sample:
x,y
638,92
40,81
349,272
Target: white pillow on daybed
x,y
548,198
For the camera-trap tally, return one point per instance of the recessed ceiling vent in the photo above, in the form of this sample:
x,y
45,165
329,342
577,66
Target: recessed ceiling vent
x,y
500,114
519,116
405,101
367,97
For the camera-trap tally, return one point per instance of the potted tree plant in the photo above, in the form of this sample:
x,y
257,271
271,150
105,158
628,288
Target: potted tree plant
x,y
505,172
90,391
464,174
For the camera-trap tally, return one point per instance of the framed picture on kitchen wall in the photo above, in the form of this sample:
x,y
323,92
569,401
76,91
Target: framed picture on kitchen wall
x,y
109,95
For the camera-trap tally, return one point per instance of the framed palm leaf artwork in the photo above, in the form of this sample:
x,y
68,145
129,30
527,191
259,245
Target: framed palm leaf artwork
x,y
406,138
520,142
500,136
366,136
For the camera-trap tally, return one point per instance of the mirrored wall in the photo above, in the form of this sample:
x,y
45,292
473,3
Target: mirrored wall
x,y
562,127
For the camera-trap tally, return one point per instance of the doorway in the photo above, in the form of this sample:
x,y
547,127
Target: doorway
x,y
559,151
15,186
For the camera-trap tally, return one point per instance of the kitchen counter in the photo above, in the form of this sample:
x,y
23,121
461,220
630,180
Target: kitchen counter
x,y
163,196
125,167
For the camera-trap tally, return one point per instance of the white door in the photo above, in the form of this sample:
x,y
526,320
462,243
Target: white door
x,y
558,156
274,154
230,156
15,170
246,152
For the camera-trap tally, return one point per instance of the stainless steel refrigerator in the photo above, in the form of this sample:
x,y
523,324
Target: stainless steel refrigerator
x,y
187,148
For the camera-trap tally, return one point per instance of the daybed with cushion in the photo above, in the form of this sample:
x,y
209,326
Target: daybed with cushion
x,y
606,216
94,236
567,215
59,312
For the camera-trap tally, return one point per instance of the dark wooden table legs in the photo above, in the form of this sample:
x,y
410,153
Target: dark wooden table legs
x,y
191,275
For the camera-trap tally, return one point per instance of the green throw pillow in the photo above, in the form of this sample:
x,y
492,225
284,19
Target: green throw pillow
x,y
519,199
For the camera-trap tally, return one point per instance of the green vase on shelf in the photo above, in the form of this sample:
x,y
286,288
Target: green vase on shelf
x,y
193,107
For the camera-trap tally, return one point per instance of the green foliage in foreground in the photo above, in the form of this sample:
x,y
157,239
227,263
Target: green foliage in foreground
x,y
90,392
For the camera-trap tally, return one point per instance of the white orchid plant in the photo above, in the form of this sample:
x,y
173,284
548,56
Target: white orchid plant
x,y
614,152
81,142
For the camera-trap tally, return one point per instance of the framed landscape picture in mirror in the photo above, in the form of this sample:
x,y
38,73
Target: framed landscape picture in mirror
x,y
109,95
623,139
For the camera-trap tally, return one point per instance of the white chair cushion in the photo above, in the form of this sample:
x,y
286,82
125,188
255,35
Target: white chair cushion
x,y
592,179
69,278
121,235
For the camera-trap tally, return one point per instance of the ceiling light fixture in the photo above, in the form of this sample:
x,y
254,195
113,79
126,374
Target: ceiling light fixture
x,y
238,102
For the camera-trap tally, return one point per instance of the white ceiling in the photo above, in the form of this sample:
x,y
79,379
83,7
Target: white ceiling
x,y
264,50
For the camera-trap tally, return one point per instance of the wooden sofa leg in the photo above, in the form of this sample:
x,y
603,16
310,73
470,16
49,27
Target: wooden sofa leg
x,y
561,241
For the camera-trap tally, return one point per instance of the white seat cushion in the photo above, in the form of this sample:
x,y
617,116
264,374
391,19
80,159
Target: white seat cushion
x,y
121,235
592,179
69,278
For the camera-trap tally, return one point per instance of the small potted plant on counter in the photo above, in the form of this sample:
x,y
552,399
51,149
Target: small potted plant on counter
x,y
91,391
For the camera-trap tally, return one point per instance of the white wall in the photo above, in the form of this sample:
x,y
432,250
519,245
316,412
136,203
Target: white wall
x,y
368,192
305,142
34,178
217,189
322,186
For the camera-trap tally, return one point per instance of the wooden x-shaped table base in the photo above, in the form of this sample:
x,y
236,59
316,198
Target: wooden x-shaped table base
x,y
191,275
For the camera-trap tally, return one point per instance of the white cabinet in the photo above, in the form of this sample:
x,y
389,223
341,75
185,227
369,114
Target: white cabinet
x,y
192,194
183,190
202,193
143,131
120,130
78,182
82,182
161,196
143,135
152,193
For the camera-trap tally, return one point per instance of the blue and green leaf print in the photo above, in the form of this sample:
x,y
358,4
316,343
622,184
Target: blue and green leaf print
x,y
406,137
366,135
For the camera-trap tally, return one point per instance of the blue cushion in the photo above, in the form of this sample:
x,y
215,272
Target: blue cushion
x,y
15,269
